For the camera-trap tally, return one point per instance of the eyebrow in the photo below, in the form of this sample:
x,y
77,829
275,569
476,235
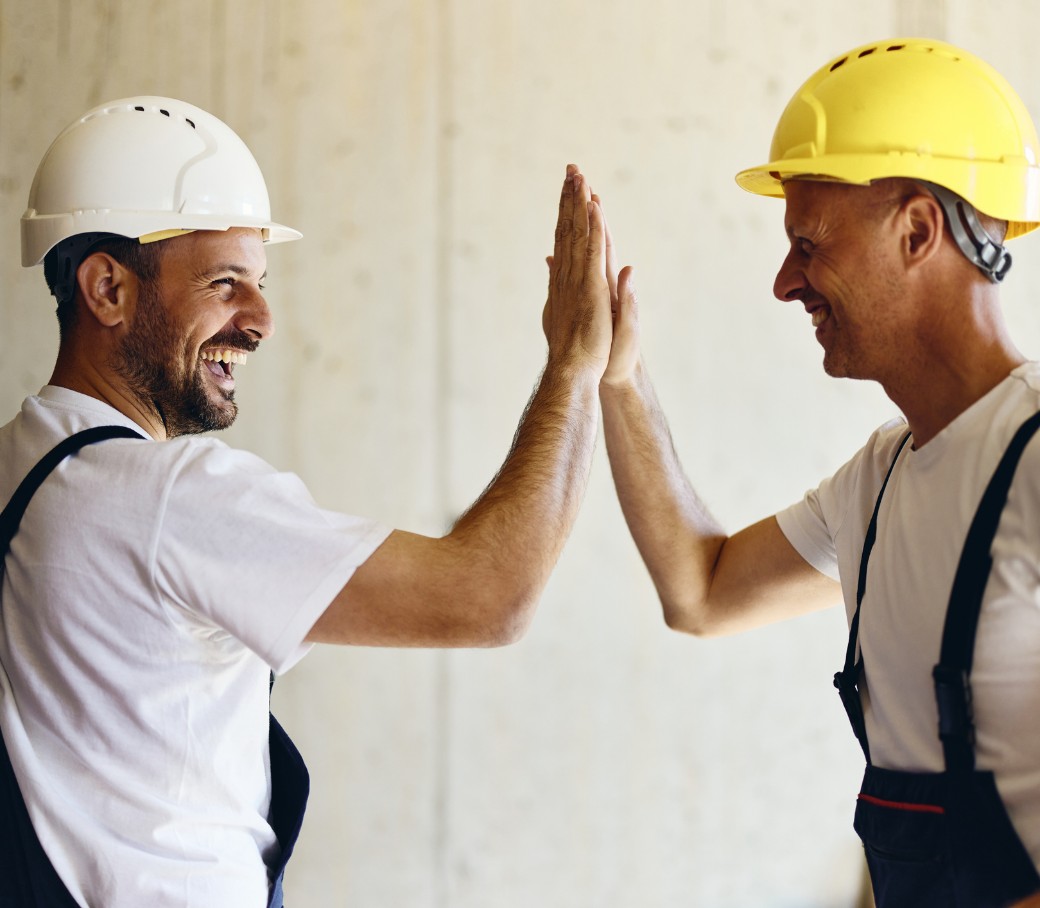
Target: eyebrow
x,y
240,270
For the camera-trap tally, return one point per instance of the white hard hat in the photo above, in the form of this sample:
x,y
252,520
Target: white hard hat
x,y
145,167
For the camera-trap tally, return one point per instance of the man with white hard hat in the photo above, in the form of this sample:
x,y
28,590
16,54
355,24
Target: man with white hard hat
x,y
155,582
905,166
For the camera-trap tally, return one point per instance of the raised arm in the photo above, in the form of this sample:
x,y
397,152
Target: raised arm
x,y
708,582
479,585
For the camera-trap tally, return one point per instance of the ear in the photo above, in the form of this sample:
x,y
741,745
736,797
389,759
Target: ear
x,y
107,288
921,219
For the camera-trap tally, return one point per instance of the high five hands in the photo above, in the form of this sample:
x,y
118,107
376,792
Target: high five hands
x,y
582,274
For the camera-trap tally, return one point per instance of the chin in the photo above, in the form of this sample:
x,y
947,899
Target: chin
x,y
197,413
837,365
832,367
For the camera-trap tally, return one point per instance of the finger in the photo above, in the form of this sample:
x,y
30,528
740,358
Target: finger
x,y
574,272
564,223
626,285
612,276
628,306
547,308
595,247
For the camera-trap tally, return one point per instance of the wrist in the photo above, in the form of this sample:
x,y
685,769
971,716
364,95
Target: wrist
x,y
577,367
626,381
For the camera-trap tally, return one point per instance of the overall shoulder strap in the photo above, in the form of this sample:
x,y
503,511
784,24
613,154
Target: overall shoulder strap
x,y
952,687
28,878
12,514
847,680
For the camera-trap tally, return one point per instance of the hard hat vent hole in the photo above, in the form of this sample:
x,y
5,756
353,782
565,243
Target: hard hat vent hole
x,y
895,47
867,52
841,62
166,113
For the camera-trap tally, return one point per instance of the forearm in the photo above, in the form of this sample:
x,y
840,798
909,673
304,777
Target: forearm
x,y
514,533
478,585
679,540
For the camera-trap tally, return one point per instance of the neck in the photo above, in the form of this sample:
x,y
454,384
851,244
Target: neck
x,y
82,374
959,356
927,414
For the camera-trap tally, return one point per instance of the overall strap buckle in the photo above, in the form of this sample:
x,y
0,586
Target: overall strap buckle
x,y
847,683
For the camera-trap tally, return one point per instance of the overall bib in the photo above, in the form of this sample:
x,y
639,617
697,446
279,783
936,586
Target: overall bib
x,y
27,878
942,840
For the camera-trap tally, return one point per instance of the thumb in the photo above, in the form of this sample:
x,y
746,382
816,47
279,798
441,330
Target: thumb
x,y
627,305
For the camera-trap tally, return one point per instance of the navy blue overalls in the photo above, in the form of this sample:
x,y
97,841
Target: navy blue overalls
x,y
27,878
942,840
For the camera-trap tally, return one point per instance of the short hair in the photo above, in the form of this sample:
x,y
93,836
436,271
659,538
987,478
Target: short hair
x,y
63,260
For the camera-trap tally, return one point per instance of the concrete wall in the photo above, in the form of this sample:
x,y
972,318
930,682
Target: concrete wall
x,y
603,761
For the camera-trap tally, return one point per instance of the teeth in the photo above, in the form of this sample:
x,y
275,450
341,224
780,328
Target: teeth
x,y
224,356
819,316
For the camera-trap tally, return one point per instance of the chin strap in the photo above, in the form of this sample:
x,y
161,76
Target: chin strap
x,y
989,256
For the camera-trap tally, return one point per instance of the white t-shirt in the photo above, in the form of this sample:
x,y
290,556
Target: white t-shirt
x,y
149,592
924,518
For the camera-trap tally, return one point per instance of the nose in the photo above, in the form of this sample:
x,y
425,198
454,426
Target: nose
x,y
790,283
254,317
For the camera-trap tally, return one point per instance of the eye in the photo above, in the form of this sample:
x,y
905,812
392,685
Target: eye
x,y
229,286
224,287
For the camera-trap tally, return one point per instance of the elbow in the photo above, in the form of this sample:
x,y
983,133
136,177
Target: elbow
x,y
682,623
509,620
507,632
513,622
688,616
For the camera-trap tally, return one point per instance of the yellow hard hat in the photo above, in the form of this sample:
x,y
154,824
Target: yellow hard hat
x,y
911,108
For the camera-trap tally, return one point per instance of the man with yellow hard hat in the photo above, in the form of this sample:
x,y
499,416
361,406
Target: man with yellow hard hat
x,y
905,166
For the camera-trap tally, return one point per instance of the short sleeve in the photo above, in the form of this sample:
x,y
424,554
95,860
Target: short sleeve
x,y
246,549
805,527
816,525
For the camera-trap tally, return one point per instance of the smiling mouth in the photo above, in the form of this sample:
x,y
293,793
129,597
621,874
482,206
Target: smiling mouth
x,y
221,363
820,315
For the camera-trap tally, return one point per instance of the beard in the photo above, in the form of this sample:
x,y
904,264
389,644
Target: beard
x,y
161,372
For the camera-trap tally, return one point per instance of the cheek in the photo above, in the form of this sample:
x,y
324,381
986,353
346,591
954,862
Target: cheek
x,y
856,276
829,280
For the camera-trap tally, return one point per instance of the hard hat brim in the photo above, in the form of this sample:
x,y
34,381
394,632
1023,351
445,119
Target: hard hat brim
x,y
1017,184
40,234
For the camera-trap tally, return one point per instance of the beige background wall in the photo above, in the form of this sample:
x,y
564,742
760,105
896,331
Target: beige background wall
x,y
419,146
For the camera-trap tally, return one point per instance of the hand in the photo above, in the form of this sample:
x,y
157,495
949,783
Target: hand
x,y
624,349
577,315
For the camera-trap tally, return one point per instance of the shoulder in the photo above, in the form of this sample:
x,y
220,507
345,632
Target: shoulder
x,y
816,524
1027,378
867,468
207,456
